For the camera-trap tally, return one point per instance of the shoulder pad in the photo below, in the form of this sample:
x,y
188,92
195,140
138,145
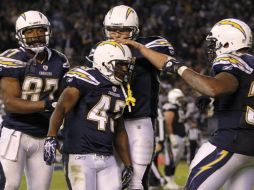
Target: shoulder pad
x,y
169,106
10,52
11,63
158,43
84,74
154,41
230,61
90,56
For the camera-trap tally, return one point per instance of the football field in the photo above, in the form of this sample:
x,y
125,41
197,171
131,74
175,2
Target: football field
x,y
58,181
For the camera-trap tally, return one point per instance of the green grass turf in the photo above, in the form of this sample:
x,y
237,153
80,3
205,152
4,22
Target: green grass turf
x,y
58,181
181,174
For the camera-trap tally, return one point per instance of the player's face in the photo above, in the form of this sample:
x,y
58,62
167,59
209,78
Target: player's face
x,y
121,70
182,101
119,32
35,36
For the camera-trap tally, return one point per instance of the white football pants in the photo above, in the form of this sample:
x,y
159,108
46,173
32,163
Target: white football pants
x,y
20,151
242,179
178,151
212,167
141,140
92,172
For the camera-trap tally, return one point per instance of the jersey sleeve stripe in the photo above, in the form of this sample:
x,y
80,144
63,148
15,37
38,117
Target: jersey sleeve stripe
x,y
158,43
11,63
235,62
79,73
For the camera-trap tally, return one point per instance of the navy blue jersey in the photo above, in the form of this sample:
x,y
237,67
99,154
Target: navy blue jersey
x,y
235,112
88,127
37,82
145,83
179,118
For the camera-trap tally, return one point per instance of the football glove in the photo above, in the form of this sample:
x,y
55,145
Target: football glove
x,y
49,153
50,105
171,67
127,174
202,102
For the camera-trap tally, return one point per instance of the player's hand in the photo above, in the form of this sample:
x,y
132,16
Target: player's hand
x,y
173,140
49,153
127,174
131,43
202,102
50,105
171,67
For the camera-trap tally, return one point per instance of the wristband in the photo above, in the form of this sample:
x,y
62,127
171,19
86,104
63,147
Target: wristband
x,y
181,70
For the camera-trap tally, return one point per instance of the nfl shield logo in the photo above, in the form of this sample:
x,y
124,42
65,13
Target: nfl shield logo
x,y
45,67
114,88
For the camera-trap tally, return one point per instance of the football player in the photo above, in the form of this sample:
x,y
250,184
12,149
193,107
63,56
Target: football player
x,y
92,105
121,22
30,81
174,114
156,177
228,149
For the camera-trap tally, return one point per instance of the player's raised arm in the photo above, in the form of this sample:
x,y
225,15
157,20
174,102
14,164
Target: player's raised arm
x,y
156,58
223,83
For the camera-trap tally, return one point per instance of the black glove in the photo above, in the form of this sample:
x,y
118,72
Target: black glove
x,y
171,67
50,105
127,174
202,102
49,153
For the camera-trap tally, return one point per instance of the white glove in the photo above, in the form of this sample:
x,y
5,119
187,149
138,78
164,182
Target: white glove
x,y
173,140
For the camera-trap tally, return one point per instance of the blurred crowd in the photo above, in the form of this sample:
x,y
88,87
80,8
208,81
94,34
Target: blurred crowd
x,y
77,25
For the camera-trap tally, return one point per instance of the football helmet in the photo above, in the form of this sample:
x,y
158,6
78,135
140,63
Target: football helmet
x,y
33,19
175,95
123,18
227,36
114,61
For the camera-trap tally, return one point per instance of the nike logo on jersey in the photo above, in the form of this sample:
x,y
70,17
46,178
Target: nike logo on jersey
x,y
229,67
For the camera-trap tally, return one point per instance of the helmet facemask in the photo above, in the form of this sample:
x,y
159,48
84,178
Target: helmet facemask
x,y
114,61
33,20
132,30
180,101
212,45
35,43
119,71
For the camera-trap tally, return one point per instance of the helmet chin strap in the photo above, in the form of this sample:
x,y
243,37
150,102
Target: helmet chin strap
x,y
125,96
37,49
